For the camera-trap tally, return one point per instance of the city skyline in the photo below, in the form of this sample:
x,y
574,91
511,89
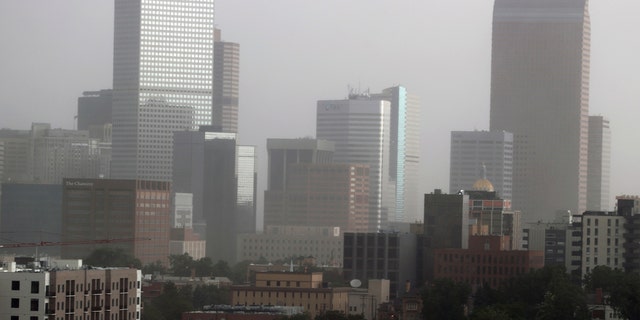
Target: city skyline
x,y
433,77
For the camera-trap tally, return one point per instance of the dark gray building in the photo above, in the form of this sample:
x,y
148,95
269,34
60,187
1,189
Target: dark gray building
x,y
381,255
31,213
94,108
446,225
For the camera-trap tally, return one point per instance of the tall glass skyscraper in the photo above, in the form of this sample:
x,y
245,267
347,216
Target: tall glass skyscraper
x,y
540,93
162,81
360,129
404,147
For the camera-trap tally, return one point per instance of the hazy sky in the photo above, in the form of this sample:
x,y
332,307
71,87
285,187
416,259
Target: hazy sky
x,y
294,53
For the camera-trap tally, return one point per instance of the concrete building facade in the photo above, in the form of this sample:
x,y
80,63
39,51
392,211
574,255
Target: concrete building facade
x,y
162,81
226,84
599,171
381,256
94,108
285,243
305,290
540,92
481,154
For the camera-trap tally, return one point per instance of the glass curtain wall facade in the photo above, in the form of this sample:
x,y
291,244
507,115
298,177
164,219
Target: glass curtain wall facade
x,y
360,129
162,81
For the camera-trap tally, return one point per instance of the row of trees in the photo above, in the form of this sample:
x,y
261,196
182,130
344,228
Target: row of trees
x,y
175,300
547,293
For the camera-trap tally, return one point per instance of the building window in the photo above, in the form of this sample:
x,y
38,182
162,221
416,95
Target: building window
x,y
35,287
15,318
15,303
35,305
15,285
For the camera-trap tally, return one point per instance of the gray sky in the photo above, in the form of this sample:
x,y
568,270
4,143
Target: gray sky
x,y
294,53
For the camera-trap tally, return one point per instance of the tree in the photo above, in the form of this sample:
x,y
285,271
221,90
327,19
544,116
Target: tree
x,y
210,295
623,289
170,304
154,268
181,264
445,299
221,269
204,267
112,257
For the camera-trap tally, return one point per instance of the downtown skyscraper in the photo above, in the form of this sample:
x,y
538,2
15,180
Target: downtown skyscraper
x,y
360,129
162,81
540,93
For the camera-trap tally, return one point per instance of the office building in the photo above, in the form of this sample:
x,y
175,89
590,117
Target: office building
x,y
182,210
1,160
138,211
540,92
304,290
73,293
599,171
220,195
31,213
321,195
360,129
285,243
226,79
487,261
60,153
284,152
404,152
481,154
221,176
446,226
184,240
603,240
16,155
381,255
366,302
94,109
629,207
188,169
162,81
247,188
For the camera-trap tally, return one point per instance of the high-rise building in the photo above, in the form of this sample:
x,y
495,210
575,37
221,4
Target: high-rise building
x,y
481,154
162,81
284,152
599,164
381,255
94,109
446,225
97,209
16,155
404,152
226,80
247,188
540,93
360,128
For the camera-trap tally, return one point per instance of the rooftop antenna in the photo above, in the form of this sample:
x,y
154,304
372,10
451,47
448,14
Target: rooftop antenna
x,y
291,265
484,171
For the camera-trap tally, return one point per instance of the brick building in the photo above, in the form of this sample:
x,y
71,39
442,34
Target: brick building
x,y
305,290
94,209
485,261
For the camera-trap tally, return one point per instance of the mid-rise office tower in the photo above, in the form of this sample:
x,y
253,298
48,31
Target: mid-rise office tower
x,y
162,81
481,154
540,93
599,164
404,147
94,108
226,84
360,128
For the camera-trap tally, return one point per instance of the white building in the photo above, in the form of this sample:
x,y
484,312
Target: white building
x,y
602,240
162,81
182,210
481,154
599,164
360,127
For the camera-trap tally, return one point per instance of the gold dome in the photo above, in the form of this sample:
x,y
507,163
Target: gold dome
x,y
483,185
